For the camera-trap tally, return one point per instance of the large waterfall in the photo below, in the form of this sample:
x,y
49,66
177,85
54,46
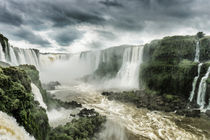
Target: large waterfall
x,y
128,74
10,130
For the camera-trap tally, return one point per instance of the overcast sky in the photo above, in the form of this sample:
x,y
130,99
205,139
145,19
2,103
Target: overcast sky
x,y
75,25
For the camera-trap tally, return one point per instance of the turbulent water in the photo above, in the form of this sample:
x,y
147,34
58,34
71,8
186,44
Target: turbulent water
x,y
126,122
10,130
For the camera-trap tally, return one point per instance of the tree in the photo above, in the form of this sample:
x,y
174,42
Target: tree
x,y
200,35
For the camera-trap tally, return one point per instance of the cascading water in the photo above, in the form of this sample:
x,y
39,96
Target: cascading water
x,y
202,90
10,130
128,74
195,83
197,52
201,95
38,95
16,56
196,59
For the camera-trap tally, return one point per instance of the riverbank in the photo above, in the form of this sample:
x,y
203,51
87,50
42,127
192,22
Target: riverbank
x,y
152,101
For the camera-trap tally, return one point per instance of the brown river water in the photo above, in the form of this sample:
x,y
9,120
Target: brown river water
x,y
125,121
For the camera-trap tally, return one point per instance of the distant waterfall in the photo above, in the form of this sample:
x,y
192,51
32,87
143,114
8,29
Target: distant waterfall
x,y
10,130
91,58
17,56
38,95
129,71
202,90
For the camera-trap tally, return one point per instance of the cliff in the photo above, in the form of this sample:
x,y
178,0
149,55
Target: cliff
x,y
169,66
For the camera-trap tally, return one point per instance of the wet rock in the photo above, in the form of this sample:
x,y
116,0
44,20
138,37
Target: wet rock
x,y
189,112
88,113
106,93
208,113
72,115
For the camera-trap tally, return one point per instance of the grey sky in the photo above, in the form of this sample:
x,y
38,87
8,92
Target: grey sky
x,y
51,25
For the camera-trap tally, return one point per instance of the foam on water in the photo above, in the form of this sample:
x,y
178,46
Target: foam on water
x,y
10,130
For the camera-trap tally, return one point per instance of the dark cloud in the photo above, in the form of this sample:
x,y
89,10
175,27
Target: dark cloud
x,y
66,37
106,34
65,18
109,16
9,17
110,3
26,34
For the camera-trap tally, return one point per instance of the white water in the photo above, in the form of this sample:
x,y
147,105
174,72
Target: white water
x,y
38,95
195,83
10,130
2,55
128,74
202,90
127,77
201,95
197,54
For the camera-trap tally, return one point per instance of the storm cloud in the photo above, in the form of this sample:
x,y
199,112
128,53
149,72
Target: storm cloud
x,y
63,23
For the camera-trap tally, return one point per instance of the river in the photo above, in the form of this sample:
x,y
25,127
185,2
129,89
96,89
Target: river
x,y
126,122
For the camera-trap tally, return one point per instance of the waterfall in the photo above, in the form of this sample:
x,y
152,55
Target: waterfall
x,y
197,52
13,58
202,90
196,59
91,58
17,56
38,95
129,71
10,130
201,95
2,55
195,83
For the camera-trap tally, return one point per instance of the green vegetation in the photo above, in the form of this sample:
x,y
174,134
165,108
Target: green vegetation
x,y
205,48
51,103
17,100
200,35
79,129
170,68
